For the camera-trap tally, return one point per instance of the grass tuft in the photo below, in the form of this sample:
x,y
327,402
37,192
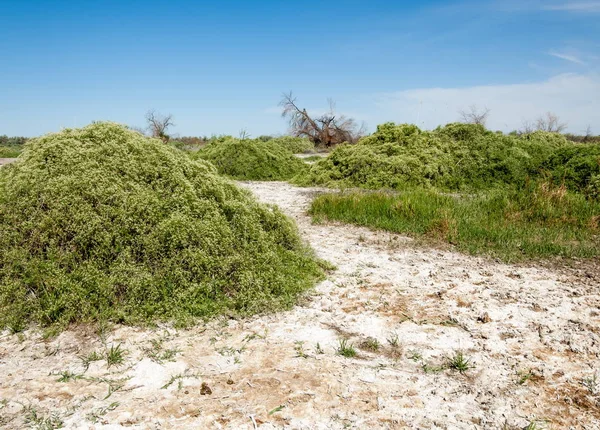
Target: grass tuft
x,y
459,362
115,356
346,349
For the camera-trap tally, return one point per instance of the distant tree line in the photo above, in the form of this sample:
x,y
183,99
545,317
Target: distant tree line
x,y
12,141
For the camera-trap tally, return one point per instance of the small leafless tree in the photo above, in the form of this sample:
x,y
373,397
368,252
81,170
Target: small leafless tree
x,y
474,115
588,133
550,122
158,124
244,135
527,127
327,129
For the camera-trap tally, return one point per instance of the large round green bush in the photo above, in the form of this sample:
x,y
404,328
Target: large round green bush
x,y
252,159
104,223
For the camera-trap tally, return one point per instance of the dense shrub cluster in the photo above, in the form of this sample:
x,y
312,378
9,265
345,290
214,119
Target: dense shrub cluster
x,y
457,156
252,159
104,223
296,145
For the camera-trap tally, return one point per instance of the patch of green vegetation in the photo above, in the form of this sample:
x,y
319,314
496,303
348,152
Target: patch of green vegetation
x,y
454,157
40,422
370,344
252,159
11,147
104,224
12,151
459,362
296,145
92,356
115,355
312,158
156,352
538,220
346,349
67,375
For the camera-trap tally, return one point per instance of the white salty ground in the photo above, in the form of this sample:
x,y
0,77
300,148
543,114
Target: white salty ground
x,y
4,161
530,335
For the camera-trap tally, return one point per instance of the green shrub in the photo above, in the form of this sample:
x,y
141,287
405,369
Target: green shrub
x,y
575,165
11,151
103,223
252,159
454,157
296,145
593,188
539,220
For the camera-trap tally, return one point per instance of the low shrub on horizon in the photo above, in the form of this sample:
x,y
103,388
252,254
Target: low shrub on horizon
x,y
296,145
252,159
103,223
538,221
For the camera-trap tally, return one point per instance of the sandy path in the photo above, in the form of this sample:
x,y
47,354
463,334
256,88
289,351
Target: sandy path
x,y
530,334
4,161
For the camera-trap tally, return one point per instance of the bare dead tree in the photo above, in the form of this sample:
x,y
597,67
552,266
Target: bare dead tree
x,y
328,129
244,135
550,123
158,124
588,133
474,115
527,127
140,130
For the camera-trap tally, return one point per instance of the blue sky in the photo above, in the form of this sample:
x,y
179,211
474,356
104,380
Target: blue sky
x,y
221,66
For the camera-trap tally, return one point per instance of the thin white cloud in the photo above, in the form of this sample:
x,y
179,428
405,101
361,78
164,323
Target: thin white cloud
x,y
573,97
567,57
582,6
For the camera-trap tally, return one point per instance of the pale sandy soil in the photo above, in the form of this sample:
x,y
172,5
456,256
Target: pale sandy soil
x,y
6,161
531,335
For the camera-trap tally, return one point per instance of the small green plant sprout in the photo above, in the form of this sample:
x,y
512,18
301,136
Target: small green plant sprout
x,y
428,368
157,353
114,356
253,336
533,425
96,414
67,375
459,362
524,376
370,344
346,349
277,409
179,379
299,348
393,340
90,358
41,422
318,349
415,355
592,384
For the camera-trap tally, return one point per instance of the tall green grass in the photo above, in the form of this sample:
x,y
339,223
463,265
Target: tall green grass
x,y
10,151
537,221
